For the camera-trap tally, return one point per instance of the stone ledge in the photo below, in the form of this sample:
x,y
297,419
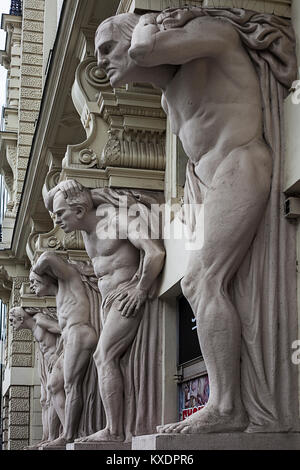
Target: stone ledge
x,y
99,446
53,448
218,441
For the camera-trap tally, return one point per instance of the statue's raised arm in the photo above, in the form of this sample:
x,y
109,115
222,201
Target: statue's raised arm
x,y
157,41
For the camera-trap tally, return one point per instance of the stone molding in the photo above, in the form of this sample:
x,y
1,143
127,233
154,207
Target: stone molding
x,y
277,7
125,130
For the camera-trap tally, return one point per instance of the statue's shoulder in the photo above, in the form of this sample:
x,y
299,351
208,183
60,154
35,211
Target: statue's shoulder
x,y
211,24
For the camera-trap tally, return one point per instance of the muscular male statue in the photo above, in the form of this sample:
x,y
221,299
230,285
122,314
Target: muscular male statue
x,y
54,276
46,332
211,93
127,267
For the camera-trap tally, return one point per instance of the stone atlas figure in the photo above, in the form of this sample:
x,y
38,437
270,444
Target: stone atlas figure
x,y
127,268
60,278
46,331
224,75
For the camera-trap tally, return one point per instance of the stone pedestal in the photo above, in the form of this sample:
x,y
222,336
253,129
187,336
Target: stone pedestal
x,y
224,441
53,448
99,446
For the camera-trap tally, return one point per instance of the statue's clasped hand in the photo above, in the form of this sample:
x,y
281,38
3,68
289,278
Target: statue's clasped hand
x,y
131,301
174,18
70,188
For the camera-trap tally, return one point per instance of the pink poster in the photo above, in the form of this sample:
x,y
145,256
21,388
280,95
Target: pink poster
x,y
193,395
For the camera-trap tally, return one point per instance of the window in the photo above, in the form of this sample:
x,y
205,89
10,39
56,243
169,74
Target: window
x,y
189,348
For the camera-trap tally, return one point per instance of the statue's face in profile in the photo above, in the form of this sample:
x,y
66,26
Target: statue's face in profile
x,y
112,54
65,216
40,285
15,319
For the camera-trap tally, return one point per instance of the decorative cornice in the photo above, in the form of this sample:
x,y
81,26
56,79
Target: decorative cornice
x,y
277,7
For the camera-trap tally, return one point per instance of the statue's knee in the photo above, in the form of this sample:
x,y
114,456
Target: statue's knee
x,y
53,386
97,358
186,287
103,356
204,283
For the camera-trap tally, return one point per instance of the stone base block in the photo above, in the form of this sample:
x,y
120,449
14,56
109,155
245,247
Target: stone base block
x,y
99,446
218,441
53,448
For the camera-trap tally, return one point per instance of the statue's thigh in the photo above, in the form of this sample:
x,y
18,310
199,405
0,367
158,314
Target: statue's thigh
x,y
56,378
118,333
233,208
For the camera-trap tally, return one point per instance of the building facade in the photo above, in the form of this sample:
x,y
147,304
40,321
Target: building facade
x,y
63,120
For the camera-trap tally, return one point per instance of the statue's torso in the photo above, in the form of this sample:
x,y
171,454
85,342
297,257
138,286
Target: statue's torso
x,y
214,105
115,261
72,303
46,341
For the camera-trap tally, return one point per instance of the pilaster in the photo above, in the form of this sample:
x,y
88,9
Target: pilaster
x,y
30,91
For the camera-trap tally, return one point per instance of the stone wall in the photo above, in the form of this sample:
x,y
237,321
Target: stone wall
x,y
31,83
18,417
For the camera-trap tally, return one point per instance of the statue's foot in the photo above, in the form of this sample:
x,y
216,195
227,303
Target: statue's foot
x,y
60,441
101,436
206,421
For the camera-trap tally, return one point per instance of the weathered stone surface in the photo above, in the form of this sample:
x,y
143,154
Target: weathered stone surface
x,y
35,4
25,139
33,26
32,48
33,105
21,360
33,82
20,186
26,127
35,15
22,335
19,418
6,411
35,37
99,446
34,93
31,70
22,347
21,174
18,432
24,150
15,72
19,391
221,441
15,444
32,59
15,61
22,163
18,404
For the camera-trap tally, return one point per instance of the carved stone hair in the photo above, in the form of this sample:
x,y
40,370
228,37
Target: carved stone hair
x,y
17,312
126,23
82,199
